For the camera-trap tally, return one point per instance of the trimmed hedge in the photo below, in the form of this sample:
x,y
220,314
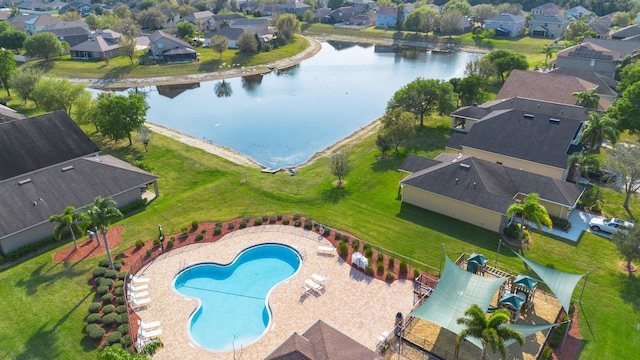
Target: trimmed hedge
x,y
109,319
122,319
95,307
107,298
94,332
111,274
101,290
121,309
106,282
99,272
140,203
108,309
113,338
94,318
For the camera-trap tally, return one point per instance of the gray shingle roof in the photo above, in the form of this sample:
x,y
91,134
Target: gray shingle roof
x,y
26,145
606,86
415,163
72,183
489,185
508,18
622,47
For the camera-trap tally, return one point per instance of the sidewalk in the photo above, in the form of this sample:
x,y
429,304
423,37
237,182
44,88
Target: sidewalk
x,y
579,223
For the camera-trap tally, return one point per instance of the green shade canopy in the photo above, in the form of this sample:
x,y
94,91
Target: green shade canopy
x,y
561,283
478,259
526,282
527,330
457,290
512,299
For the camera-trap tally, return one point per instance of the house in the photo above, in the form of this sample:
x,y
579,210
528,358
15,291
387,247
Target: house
x,y
4,16
295,7
367,18
387,17
547,9
218,20
551,87
231,34
527,134
72,35
578,12
341,15
602,32
201,19
322,341
168,48
626,32
39,23
605,86
101,45
589,56
506,25
256,26
479,192
363,4
83,8
548,26
8,114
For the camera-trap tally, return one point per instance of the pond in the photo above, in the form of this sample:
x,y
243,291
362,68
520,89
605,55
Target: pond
x,y
282,118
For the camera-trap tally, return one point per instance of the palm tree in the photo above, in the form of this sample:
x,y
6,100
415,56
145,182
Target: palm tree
x,y
599,127
530,209
101,213
69,220
580,164
588,98
118,353
548,50
489,331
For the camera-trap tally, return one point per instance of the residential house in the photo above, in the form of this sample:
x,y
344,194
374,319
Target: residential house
x,y
363,4
322,341
341,15
479,192
18,21
605,86
296,7
83,8
528,134
578,12
8,114
256,26
201,19
367,18
72,35
548,9
626,32
168,48
506,25
387,17
548,26
231,34
39,23
589,56
101,45
551,87
602,32
218,20
4,16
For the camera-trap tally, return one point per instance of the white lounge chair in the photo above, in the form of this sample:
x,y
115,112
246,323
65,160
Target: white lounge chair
x,y
139,280
148,326
138,288
305,290
135,303
314,285
386,333
138,295
319,278
326,249
150,334
141,343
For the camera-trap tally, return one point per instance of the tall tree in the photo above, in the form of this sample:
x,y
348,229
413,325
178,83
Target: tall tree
x,y
548,50
628,245
103,213
582,164
423,97
69,220
491,331
597,129
288,25
577,31
340,166
530,209
151,19
627,109
13,39
57,94
43,44
624,160
118,115
482,12
451,23
506,60
335,4
588,98
461,6
470,89
219,44
247,42
24,82
186,30
397,126
93,21
7,68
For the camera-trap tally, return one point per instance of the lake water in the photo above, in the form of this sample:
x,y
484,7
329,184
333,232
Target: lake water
x,y
282,118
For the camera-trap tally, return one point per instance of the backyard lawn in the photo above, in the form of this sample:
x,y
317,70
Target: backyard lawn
x,y
44,303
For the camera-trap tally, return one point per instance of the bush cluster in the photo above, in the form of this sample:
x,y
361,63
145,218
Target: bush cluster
x,y
285,221
308,224
563,224
94,331
140,203
243,224
98,272
106,282
194,225
217,230
343,248
265,218
512,230
272,219
404,269
199,237
257,222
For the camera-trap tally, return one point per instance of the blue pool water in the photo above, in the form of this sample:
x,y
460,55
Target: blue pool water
x,y
234,309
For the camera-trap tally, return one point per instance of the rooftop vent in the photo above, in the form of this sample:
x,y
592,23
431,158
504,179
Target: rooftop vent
x,y
25,181
465,166
67,168
528,116
554,121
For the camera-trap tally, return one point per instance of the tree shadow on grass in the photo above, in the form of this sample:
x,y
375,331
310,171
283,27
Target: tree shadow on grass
x,y
210,65
629,289
429,138
335,194
39,276
117,72
390,163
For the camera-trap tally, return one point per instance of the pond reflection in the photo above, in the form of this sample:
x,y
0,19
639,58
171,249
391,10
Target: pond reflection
x,y
171,91
223,89
251,82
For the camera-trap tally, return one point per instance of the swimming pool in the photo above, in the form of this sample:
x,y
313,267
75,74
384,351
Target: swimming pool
x,y
234,309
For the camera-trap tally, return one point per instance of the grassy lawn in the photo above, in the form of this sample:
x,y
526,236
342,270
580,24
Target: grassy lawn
x,y
196,185
121,67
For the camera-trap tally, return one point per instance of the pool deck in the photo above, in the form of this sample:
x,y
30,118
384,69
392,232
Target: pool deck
x,y
356,304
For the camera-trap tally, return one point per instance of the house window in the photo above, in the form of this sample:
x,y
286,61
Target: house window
x,y
593,62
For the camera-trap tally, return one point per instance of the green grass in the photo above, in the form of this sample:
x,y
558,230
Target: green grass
x,y
45,303
121,67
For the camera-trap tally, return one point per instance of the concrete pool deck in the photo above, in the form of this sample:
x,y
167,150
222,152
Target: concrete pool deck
x,y
356,304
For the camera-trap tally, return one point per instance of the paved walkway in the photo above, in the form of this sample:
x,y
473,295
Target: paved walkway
x,y
355,304
579,223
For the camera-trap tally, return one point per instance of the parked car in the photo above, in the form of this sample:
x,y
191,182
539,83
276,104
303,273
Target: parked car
x,y
609,225
603,176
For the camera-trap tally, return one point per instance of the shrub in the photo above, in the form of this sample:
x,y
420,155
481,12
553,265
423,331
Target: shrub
x,y
121,309
95,333
243,224
563,224
308,224
369,269
338,236
342,247
279,217
327,232
185,231
107,298
103,263
368,252
109,319
171,242
95,307
101,290
546,354
416,273
106,282
380,256
265,218
231,225
94,318
380,267
133,206
390,276
512,230
285,221
355,244
111,274
120,300
217,230
404,269
558,334
257,222
218,224
392,262
126,341
149,252
108,309
117,266
123,275
124,328
204,231
118,284
345,237
99,272
114,337
296,216
122,319
272,220
139,244
298,223
156,242
194,225
199,237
